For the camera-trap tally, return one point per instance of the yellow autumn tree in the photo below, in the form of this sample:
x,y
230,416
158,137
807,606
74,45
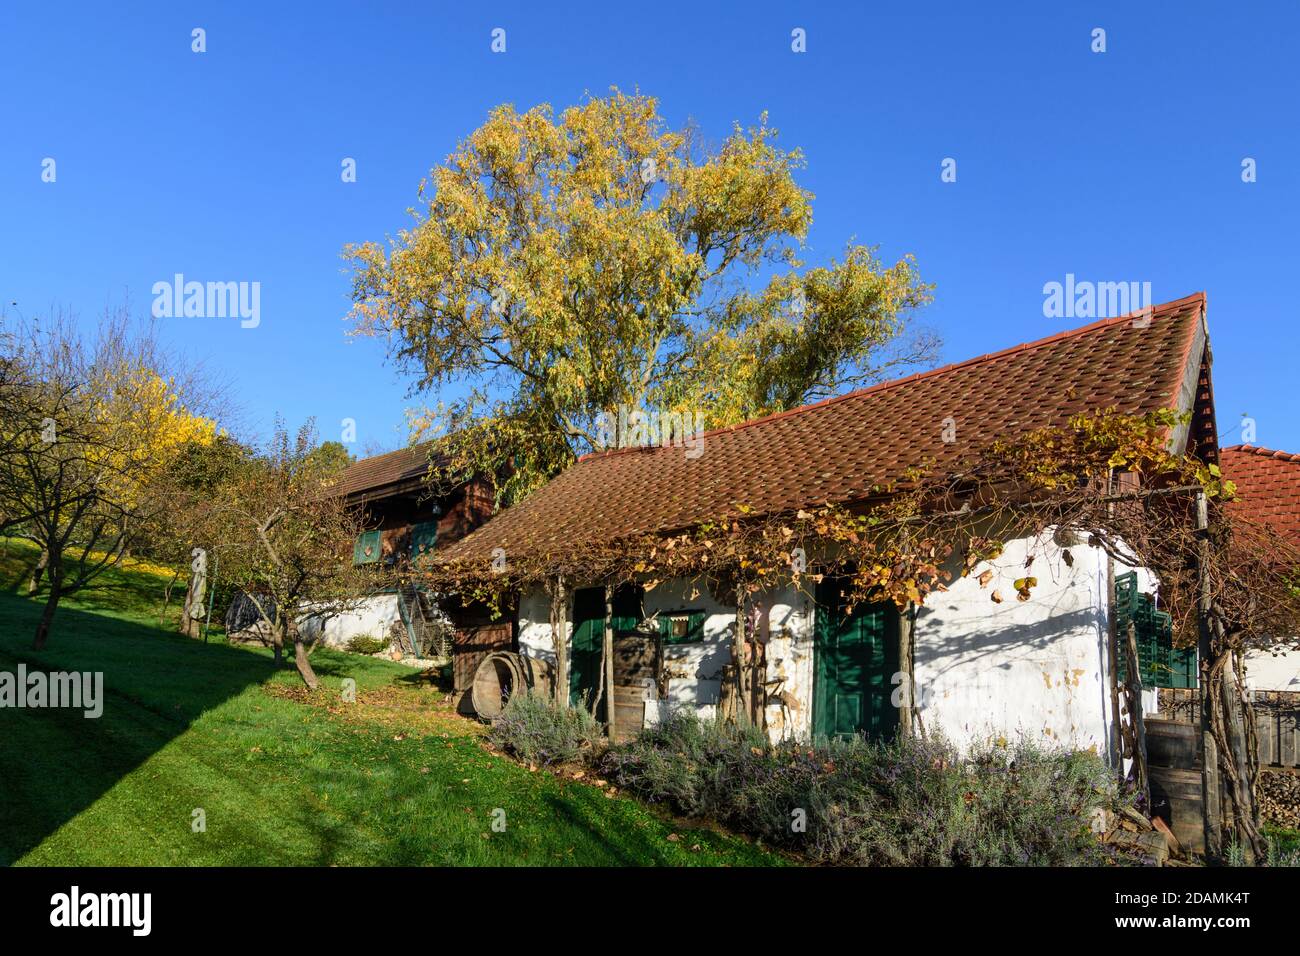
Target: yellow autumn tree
x,y
562,269
92,425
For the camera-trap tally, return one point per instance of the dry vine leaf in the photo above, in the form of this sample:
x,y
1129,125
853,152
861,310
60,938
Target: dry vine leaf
x,y
996,597
985,578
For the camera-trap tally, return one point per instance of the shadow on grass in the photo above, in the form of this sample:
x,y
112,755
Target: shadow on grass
x,y
54,763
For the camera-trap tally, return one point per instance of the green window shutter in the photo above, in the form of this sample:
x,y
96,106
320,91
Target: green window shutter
x,y
627,612
682,627
368,548
1185,670
1126,599
424,536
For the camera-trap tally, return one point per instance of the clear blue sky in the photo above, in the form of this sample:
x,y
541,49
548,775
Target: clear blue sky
x,y
225,166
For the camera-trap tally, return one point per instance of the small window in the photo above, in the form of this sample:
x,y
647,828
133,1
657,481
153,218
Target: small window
x,y
681,627
368,548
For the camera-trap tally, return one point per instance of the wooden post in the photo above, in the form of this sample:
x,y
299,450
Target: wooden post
x,y
738,655
906,662
560,639
1112,651
1112,646
607,659
1133,689
1210,782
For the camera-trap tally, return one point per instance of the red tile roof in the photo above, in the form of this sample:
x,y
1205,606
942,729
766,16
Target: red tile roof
x,y
1268,486
373,477
838,449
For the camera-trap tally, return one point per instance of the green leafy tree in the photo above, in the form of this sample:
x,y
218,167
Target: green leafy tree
x,y
91,426
330,458
276,527
563,268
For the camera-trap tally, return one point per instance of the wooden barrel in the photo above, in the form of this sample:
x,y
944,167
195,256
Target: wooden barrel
x,y
539,674
501,675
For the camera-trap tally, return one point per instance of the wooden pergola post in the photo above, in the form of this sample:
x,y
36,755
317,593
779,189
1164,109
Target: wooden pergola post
x,y
738,658
1137,720
560,639
607,660
1211,787
907,702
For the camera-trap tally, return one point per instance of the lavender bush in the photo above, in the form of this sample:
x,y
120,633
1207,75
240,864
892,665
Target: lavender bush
x,y
908,803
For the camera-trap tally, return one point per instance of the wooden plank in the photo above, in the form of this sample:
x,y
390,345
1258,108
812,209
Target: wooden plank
x,y
629,718
1288,738
1266,734
1177,795
635,658
472,644
1173,743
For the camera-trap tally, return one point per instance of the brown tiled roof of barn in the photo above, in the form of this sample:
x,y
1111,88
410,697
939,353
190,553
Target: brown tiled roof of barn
x,y
837,450
1268,487
381,474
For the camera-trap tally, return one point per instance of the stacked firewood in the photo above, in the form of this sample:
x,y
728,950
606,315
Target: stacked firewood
x,y
1131,834
1278,792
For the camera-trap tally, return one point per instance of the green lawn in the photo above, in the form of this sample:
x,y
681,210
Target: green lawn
x,y
395,778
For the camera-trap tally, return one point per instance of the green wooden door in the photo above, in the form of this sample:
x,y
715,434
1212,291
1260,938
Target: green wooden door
x,y
588,638
855,659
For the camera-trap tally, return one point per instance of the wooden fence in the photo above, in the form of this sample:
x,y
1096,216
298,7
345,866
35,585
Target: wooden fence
x,y
1277,721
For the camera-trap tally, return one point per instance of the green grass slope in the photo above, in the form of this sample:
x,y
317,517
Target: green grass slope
x,y
394,778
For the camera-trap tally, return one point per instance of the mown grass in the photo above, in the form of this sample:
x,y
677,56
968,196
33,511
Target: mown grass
x,y
395,778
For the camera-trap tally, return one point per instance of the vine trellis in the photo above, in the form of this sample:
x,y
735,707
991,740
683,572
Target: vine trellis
x,y
1103,479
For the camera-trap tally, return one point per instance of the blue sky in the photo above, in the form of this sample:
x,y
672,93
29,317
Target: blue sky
x,y
1118,166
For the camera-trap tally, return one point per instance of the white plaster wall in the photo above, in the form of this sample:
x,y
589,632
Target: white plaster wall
x,y
1036,668
1265,671
372,617
785,624
693,671
535,626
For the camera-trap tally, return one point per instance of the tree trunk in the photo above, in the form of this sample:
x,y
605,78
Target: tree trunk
x,y
1235,759
1205,650
51,605
1226,723
34,583
167,598
186,623
303,662
277,640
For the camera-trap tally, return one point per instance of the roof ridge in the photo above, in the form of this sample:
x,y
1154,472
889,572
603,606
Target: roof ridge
x,y
1265,452
918,376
